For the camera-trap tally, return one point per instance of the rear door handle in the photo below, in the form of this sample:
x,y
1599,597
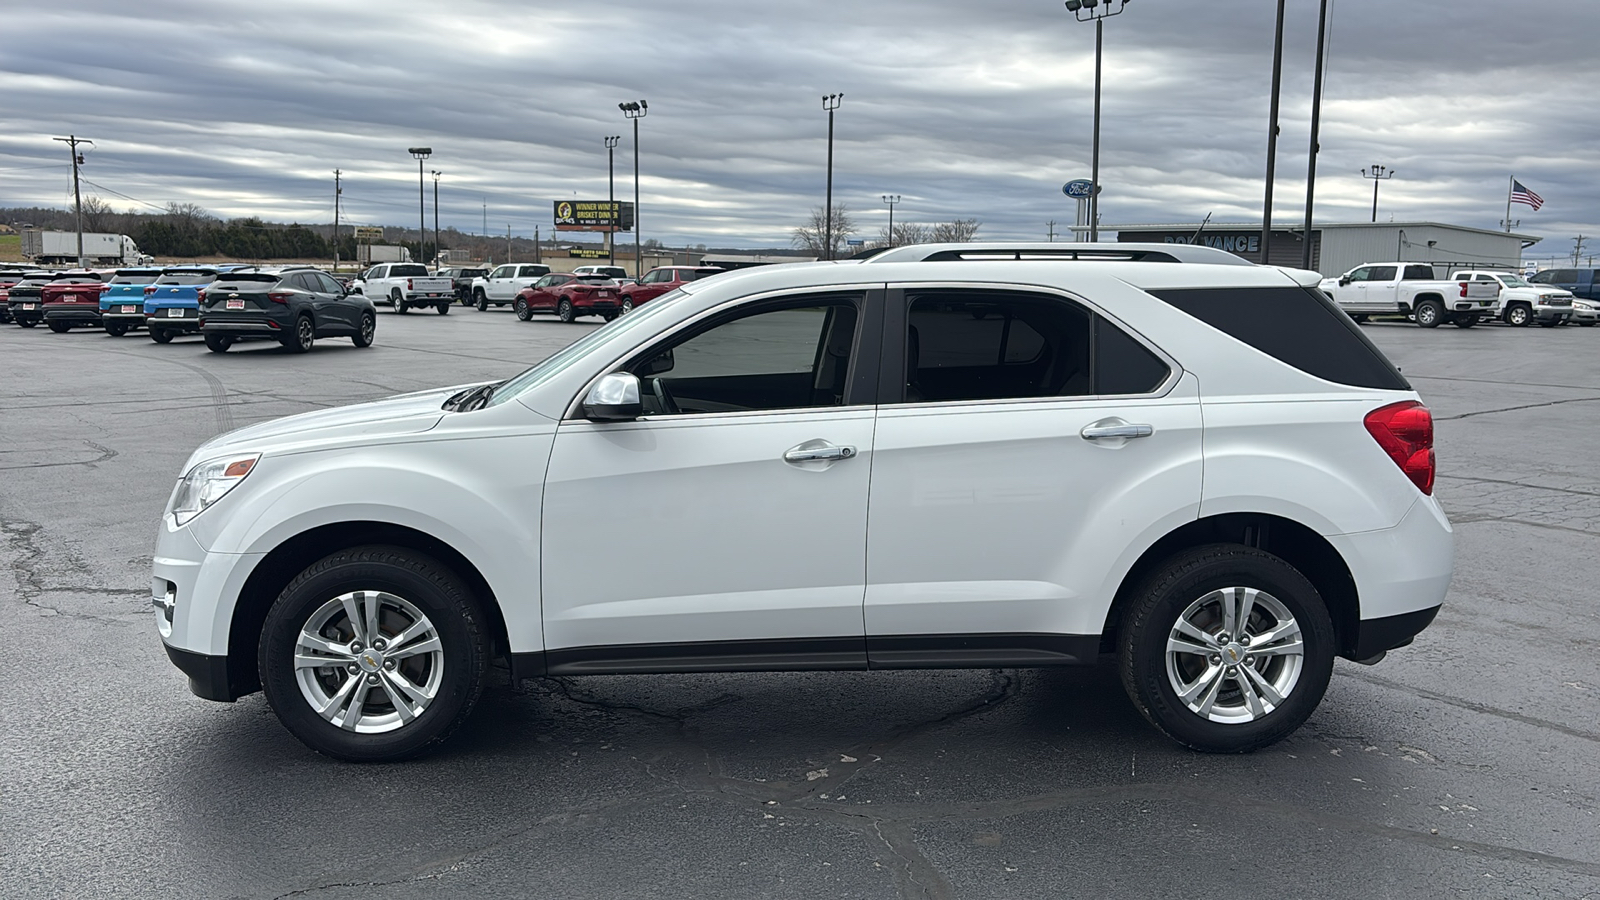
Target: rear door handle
x,y
1106,429
817,451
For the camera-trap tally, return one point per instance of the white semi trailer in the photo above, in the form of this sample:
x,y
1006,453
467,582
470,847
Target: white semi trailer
x,y
61,248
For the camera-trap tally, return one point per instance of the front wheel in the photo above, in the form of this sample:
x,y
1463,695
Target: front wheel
x,y
564,310
1226,649
1518,315
373,654
366,331
1359,317
627,305
524,311
482,299
1430,313
1549,323
1465,321
219,343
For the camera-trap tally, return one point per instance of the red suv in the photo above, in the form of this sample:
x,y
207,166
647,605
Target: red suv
x,y
660,280
73,301
569,296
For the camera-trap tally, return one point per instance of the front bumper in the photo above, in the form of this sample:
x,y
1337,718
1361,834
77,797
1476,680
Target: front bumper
x,y
208,675
1552,313
194,593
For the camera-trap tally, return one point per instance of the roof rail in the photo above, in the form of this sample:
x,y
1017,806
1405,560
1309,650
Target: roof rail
x,y
1099,252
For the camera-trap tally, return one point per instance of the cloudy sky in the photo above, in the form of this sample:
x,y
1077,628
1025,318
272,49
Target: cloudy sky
x,y
964,109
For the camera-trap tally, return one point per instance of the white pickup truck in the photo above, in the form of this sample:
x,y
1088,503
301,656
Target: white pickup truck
x,y
406,285
1410,289
1522,302
500,287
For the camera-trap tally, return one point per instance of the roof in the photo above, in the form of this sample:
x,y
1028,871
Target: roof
x,y
1319,226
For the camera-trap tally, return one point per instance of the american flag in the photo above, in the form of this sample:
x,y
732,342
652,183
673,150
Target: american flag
x,y
1520,194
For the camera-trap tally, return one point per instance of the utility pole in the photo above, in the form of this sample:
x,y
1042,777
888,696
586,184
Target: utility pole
x,y
830,103
508,242
337,190
1272,136
1577,248
611,198
72,141
1316,124
487,250
537,257
436,219
1051,230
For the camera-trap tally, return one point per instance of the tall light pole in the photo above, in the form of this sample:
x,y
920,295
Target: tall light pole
x,y
436,175
1098,11
1272,135
72,141
337,190
830,103
611,197
1316,124
891,199
1377,173
421,153
636,110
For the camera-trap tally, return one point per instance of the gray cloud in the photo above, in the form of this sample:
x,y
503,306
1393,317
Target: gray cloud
x,y
964,110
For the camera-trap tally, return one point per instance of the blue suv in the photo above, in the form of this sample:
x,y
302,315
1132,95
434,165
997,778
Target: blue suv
x,y
122,302
172,303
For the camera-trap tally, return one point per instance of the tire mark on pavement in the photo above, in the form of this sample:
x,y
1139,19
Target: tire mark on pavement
x,y
1487,412
1471,706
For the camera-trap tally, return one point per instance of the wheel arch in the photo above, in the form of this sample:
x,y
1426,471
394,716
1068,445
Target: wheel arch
x,y
1309,552
269,576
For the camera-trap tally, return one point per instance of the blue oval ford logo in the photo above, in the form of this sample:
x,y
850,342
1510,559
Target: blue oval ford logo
x,y
1081,187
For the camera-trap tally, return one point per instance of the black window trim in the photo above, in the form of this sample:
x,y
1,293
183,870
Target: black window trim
x,y
891,380
861,387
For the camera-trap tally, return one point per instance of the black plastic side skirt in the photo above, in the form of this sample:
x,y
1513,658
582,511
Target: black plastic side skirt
x,y
917,651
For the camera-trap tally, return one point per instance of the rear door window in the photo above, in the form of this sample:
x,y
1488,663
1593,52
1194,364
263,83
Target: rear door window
x,y
1297,326
1381,273
1418,273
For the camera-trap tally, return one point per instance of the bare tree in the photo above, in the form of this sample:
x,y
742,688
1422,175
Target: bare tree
x,y
956,231
188,214
905,234
810,236
97,214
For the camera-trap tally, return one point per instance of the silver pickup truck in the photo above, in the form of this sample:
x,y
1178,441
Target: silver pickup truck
x,y
1410,289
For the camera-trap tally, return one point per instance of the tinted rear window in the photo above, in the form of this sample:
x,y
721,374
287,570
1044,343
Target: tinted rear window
x,y
408,271
186,278
1297,326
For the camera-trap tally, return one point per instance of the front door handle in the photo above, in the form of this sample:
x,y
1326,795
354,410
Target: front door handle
x,y
817,451
1107,429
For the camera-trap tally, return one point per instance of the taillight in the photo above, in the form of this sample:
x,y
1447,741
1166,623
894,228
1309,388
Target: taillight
x,y
1463,288
1405,431
279,296
408,285
200,296
104,288
149,289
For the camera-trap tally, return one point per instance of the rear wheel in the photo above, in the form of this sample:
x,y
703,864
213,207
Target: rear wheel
x,y
373,654
1465,321
303,336
1226,649
1518,315
564,310
444,307
161,335
1359,317
398,300
1430,313
1549,323
59,327
219,343
27,323
116,329
524,311
366,330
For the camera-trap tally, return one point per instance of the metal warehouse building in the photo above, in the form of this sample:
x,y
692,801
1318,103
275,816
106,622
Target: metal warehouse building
x,y
1336,249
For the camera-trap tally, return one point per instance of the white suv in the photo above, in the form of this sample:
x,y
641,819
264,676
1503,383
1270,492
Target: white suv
x,y
1164,453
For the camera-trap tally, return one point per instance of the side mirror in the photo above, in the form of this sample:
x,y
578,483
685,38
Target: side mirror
x,y
1344,280
660,364
614,398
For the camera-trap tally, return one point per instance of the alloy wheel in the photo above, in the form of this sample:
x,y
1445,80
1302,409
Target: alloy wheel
x,y
369,662
1234,655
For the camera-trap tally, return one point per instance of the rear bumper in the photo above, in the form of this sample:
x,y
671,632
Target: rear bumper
x,y
245,325
18,313
132,320
1382,635
1401,574
72,315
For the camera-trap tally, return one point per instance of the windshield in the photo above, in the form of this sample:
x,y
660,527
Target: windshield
x,y
1514,281
575,351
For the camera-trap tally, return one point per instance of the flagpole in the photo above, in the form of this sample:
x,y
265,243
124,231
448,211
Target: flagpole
x,y
1509,186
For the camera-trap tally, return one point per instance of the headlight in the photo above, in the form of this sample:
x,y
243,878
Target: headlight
x,y
207,483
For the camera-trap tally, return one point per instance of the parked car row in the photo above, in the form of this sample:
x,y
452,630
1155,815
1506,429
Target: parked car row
x,y
1467,297
293,305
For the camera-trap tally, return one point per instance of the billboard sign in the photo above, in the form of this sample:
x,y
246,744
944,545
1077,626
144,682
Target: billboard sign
x,y
593,215
368,233
587,253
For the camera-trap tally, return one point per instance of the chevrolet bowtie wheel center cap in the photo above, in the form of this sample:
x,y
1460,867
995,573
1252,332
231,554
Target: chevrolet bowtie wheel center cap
x,y
370,660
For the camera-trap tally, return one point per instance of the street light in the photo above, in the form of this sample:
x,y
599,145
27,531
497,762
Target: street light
x,y
421,153
436,175
636,110
1377,173
1098,11
830,103
891,199
1272,137
1316,124
611,197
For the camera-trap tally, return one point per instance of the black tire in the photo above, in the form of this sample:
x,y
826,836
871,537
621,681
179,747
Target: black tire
x,y
1583,324
301,339
1549,323
27,323
218,343
116,329
1464,320
161,335
1359,317
431,589
367,330
483,300
524,311
444,307
1430,313
610,316
1518,314
399,302
1184,583
627,306
564,310
59,327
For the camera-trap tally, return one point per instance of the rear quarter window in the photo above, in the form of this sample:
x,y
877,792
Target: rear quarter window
x,y
1297,326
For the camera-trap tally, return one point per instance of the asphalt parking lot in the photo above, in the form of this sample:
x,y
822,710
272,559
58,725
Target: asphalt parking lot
x,y
1464,765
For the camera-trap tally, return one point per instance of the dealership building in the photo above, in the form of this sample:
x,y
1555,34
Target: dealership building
x,y
1336,249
